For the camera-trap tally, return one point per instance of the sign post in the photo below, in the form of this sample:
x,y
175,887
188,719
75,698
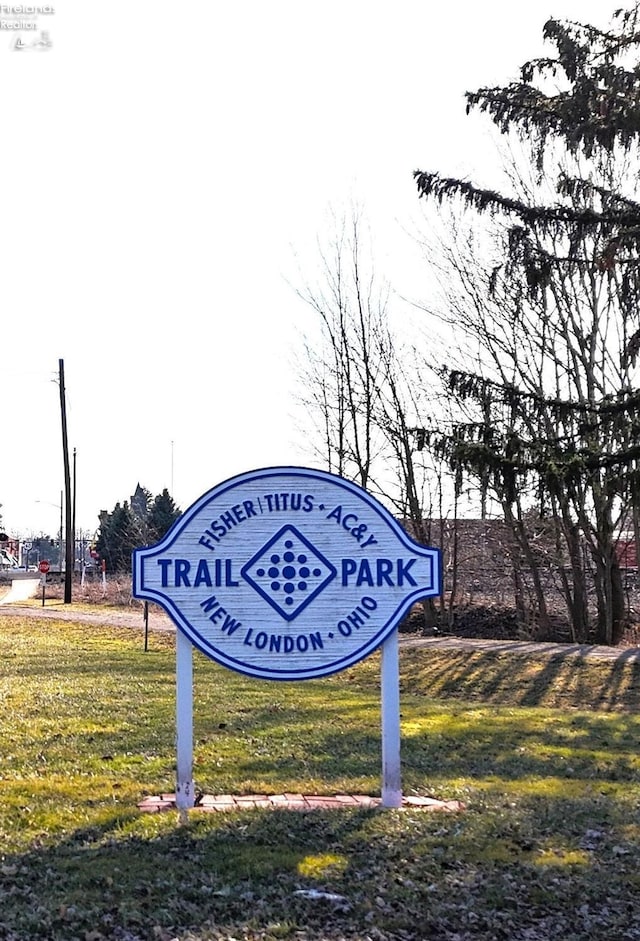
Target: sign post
x,y
287,574
390,708
185,791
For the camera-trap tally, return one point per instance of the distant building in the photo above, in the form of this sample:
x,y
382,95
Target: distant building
x,y
9,554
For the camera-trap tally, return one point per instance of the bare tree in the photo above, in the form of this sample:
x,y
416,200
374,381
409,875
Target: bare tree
x,y
365,390
343,370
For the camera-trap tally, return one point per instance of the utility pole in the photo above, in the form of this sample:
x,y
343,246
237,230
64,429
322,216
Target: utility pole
x,y
68,573
73,516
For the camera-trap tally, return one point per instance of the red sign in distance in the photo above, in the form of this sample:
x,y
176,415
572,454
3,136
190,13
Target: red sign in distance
x,y
44,566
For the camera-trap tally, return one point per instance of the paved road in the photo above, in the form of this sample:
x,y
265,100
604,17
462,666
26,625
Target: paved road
x,y
159,621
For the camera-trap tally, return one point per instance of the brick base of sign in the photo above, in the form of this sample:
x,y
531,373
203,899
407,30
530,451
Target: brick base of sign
x,y
212,803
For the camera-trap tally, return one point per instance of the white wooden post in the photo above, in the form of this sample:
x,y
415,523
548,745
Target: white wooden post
x,y
390,699
184,722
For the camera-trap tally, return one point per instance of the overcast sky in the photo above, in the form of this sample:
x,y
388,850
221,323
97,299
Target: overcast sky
x,y
162,166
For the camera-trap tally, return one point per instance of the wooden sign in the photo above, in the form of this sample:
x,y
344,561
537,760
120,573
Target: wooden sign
x,y
286,573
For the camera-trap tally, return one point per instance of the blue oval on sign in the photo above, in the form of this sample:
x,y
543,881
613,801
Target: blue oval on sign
x,y
286,573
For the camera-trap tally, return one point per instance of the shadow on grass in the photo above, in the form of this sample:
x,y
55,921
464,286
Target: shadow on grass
x,y
523,679
511,747
338,743
238,875
237,871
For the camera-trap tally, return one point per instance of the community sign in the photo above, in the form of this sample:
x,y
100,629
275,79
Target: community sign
x,y
286,573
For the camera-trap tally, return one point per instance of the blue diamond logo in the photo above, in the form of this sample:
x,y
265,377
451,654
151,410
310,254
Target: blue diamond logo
x,y
289,572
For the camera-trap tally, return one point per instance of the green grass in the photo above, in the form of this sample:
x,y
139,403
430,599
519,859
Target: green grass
x,y
544,754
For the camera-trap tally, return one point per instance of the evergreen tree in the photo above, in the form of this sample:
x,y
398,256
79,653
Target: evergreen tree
x,y
140,507
131,526
118,536
555,412
162,515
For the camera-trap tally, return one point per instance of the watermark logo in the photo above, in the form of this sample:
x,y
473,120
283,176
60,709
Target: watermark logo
x,y
40,43
28,27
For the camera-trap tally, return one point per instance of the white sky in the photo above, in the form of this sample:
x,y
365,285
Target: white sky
x,y
161,165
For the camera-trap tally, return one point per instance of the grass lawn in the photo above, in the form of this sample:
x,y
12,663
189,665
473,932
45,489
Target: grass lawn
x,y
543,753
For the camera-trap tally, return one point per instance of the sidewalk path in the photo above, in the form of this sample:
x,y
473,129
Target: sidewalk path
x,y
21,589
523,647
159,621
